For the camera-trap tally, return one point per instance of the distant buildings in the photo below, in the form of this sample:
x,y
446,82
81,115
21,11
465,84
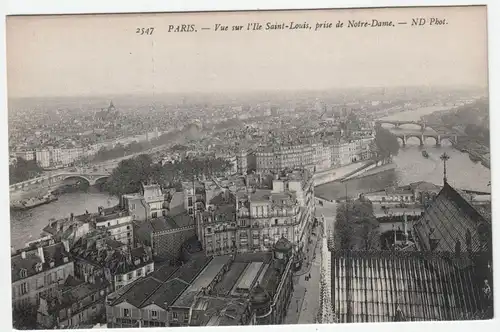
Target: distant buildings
x,y
347,152
279,157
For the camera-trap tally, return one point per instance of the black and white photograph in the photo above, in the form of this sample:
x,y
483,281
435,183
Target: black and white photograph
x,y
268,167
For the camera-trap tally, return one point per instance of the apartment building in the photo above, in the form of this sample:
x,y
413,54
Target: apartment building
x,y
279,157
322,157
151,202
37,271
254,219
242,161
145,303
76,305
117,222
165,235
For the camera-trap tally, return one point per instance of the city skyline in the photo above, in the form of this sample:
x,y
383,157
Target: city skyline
x,y
103,55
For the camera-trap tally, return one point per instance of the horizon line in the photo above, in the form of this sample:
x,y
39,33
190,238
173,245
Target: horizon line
x,y
249,92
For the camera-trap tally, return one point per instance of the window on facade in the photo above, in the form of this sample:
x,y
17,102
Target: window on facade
x,y
275,221
126,312
119,278
190,201
174,315
139,272
132,206
128,227
243,223
24,288
109,224
154,215
130,276
23,273
93,297
190,211
154,313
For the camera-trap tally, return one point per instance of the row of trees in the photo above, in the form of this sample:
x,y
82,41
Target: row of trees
x,y
131,173
121,150
23,170
356,227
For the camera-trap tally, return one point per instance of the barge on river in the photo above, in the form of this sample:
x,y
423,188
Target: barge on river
x,y
33,202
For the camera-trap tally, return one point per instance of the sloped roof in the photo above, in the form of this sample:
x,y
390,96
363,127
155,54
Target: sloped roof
x,y
52,253
163,286
449,220
370,286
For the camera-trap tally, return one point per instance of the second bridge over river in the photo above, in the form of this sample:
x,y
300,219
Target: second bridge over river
x,y
58,178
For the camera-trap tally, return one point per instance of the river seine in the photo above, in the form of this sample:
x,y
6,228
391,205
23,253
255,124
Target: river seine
x,y
27,225
411,166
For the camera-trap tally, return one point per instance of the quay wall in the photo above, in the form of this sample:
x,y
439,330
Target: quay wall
x,y
355,170
371,170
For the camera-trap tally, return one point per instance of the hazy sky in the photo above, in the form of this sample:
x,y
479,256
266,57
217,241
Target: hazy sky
x,y
80,55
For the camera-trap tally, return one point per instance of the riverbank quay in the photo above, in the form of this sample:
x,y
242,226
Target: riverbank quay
x,y
477,152
338,173
374,169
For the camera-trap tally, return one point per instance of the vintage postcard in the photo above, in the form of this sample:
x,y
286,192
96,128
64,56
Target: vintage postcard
x,y
249,168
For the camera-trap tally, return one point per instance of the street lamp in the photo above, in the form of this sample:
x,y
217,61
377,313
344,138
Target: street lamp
x,y
444,157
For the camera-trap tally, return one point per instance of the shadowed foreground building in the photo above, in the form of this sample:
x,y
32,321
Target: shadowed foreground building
x,y
241,289
445,275
386,286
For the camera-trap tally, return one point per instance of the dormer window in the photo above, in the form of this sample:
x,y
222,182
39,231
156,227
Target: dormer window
x,y
137,262
52,263
38,267
65,259
23,273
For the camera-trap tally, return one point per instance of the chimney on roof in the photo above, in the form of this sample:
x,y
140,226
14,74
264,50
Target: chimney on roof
x,y
23,255
65,244
40,254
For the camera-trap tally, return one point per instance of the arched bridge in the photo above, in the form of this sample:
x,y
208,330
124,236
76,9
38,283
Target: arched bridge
x,y
398,123
438,138
54,179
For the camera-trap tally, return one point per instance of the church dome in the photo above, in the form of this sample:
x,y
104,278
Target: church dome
x,y
283,245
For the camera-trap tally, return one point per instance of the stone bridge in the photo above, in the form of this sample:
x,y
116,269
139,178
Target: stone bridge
x,y
398,123
438,138
54,179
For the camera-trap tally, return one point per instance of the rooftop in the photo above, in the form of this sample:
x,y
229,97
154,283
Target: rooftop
x,y
55,253
105,253
451,222
161,287
384,286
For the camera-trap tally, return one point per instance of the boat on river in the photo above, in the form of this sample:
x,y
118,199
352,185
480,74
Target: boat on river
x,y
34,202
425,154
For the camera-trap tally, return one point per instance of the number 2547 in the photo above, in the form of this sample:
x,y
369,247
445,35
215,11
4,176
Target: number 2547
x,y
144,31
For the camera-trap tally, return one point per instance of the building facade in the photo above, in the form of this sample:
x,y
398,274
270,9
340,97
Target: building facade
x,y
165,235
252,219
117,222
76,305
39,271
277,158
